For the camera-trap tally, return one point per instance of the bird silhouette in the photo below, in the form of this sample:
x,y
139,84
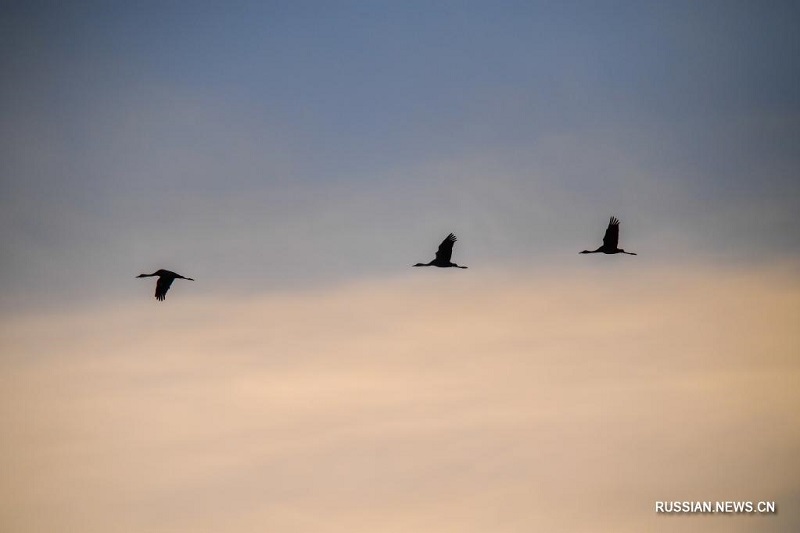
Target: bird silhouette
x,y
610,240
165,279
443,254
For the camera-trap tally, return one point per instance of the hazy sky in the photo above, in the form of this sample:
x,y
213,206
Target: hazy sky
x,y
296,158
431,404
258,144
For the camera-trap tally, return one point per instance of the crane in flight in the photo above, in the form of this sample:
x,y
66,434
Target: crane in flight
x,y
610,240
443,254
165,279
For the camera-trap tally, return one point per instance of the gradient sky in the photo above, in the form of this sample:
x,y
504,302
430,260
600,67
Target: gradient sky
x,y
262,144
296,158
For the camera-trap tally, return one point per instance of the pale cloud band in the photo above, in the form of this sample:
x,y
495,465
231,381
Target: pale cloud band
x,y
561,402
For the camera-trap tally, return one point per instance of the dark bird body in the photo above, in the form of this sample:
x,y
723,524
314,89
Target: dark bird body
x,y
165,279
610,240
443,254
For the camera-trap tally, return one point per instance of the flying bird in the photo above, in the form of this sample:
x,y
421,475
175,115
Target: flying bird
x,y
165,279
610,240
443,254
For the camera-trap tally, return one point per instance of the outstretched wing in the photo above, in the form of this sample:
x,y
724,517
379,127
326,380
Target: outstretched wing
x,y
445,251
611,237
162,286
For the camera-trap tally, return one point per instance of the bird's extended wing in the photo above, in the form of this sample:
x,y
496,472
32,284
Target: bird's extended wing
x,y
611,237
445,251
162,286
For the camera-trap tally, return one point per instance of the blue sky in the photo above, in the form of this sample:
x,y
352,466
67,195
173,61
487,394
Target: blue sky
x,y
314,142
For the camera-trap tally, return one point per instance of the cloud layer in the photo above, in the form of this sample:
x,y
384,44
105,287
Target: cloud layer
x,y
567,401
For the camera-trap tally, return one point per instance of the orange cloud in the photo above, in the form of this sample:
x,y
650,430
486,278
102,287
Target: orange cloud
x,y
559,401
